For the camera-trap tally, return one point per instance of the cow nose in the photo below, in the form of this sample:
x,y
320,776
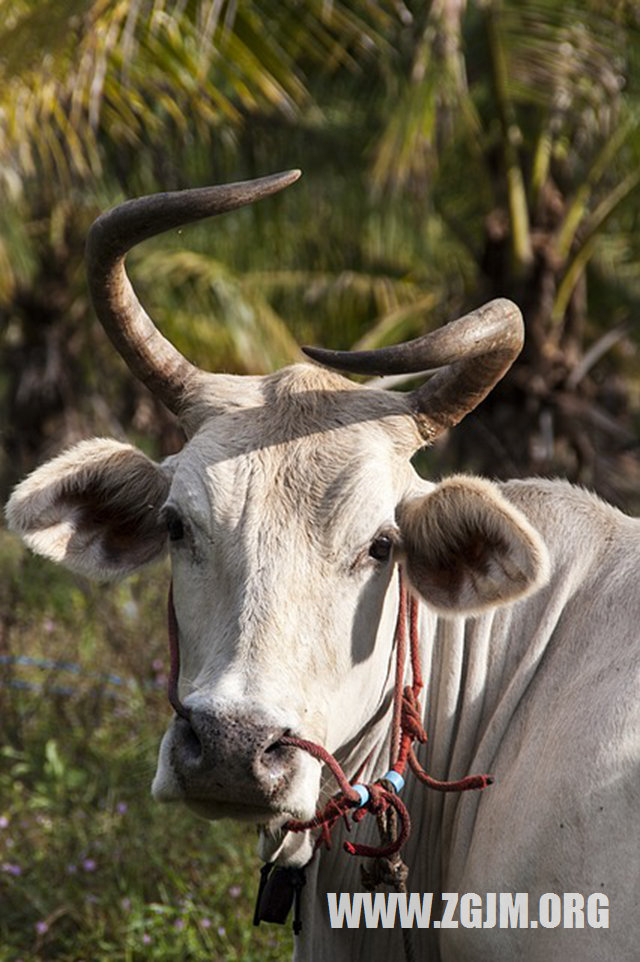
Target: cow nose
x,y
231,756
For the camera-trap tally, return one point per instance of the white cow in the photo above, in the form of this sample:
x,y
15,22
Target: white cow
x,y
286,514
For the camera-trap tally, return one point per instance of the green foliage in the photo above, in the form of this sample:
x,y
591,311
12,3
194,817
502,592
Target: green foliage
x,y
90,866
433,136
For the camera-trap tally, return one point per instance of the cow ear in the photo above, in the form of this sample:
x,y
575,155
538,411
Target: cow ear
x,y
95,509
468,549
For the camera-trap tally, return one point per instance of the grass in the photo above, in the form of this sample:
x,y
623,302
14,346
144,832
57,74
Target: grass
x,y
91,868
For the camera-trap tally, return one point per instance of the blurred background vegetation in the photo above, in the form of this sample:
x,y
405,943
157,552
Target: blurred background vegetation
x,y
453,151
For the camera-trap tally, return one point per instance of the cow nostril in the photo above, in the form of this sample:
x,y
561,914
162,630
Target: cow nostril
x,y
273,763
278,745
189,742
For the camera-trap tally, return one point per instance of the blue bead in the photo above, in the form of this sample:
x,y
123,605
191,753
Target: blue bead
x,y
363,792
395,778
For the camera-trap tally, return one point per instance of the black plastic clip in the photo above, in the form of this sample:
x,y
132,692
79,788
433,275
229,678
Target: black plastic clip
x,y
279,889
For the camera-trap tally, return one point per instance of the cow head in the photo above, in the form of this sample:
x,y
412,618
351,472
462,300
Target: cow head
x,y
284,514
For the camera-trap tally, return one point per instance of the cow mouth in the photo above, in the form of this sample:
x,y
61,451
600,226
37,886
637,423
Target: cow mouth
x,y
212,809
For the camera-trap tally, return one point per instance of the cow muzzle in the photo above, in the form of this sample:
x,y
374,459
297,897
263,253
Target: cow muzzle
x,y
230,764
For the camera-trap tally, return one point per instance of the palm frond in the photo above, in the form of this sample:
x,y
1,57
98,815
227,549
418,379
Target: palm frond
x,y
223,310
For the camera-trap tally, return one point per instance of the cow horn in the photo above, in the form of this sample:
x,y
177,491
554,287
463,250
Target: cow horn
x,y
149,355
475,351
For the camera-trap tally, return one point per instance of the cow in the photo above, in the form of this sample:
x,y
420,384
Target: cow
x,y
286,514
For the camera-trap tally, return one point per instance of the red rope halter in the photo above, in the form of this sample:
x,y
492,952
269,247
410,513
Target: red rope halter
x,y
375,798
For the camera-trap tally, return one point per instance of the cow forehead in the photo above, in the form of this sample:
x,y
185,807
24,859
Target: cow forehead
x,y
301,401
306,446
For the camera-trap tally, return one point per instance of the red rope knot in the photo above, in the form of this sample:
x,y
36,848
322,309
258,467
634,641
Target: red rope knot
x,y
410,720
376,804
381,799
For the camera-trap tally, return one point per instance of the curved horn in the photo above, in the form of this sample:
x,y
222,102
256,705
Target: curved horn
x,y
475,351
149,355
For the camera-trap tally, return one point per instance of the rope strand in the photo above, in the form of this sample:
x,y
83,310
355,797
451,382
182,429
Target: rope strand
x,y
378,797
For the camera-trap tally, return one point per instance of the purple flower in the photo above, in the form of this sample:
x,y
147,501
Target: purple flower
x,y
11,869
121,808
205,923
4,821
89,865
126,904
146,939
235,891
179,924
42,927
221,930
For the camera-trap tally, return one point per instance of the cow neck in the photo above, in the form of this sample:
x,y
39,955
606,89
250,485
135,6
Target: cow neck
x,y
380,797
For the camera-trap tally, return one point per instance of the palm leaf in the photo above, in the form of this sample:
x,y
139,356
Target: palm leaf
x,y
223,309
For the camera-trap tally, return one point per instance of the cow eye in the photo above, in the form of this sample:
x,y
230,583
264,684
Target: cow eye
x,y
175,526
380,548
